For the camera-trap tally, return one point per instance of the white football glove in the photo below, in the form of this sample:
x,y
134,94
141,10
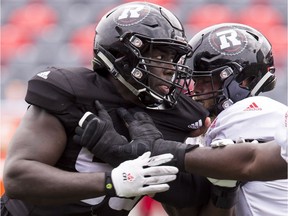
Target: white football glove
x,y
222,182
143,176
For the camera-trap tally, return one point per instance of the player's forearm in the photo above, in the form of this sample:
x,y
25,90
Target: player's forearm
x,y
240,162
268,164
43,185
222,163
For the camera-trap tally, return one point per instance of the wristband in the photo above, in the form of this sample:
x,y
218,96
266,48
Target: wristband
x,y
181,154
223,197
109,187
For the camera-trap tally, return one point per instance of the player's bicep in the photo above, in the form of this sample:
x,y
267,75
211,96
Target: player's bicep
x,y
269,164
39,137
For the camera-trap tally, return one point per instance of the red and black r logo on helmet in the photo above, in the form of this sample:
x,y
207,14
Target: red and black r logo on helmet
x,y
228,40
131,15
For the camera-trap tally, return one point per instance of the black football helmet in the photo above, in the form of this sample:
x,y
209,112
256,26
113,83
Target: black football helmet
x,y
232,53
128,31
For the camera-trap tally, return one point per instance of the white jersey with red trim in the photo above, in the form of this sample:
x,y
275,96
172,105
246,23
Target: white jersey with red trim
x,y
256,118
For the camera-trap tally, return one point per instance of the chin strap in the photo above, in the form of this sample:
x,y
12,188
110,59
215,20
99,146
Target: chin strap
x,y
117,75
256,90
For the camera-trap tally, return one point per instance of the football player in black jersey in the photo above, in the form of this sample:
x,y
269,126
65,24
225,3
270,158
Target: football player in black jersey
x,y
138,48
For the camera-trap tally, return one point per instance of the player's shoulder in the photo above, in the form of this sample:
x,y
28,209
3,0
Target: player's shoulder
x,y
256,103
61,77
253,107
54,88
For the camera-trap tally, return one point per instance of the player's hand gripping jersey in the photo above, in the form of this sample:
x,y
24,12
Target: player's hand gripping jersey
x,y
68,94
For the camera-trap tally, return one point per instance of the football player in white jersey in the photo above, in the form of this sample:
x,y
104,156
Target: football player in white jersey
x,y
231,65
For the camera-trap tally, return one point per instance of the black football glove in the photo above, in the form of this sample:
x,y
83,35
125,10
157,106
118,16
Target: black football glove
x,y
97,134
141,130
146,136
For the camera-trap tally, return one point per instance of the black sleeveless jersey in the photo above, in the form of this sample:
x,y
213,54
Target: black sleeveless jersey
x,y
68,93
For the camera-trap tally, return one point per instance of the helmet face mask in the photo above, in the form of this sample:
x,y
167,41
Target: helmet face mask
x,y
237,55
211,92
124,42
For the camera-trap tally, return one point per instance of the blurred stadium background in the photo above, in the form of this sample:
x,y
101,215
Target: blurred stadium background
x,y
40,33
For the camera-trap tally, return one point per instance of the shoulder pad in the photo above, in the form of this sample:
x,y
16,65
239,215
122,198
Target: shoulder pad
x,y
53,88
